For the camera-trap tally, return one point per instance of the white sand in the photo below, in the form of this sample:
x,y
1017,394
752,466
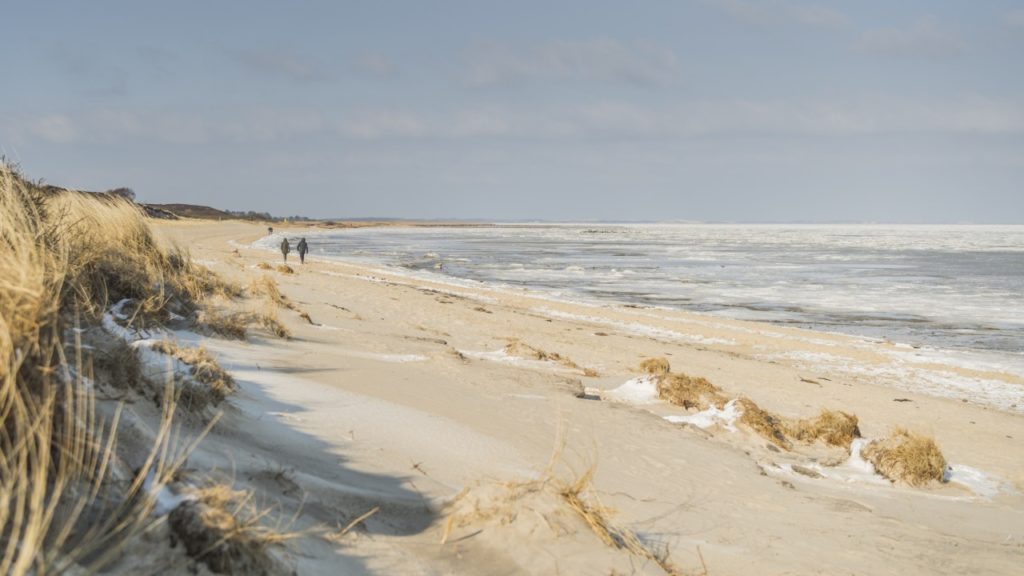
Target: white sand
x,y
376,407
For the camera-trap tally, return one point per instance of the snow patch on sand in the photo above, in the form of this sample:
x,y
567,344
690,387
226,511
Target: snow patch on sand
x,y
975,480
164,499
393,358
640,391
726,417
503,357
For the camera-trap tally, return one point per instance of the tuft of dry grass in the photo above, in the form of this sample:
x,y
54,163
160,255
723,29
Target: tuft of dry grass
x,y
224,528
905,456
216,383
769,426
516,347
264,266
285,269
552,499
688,391
832,427
232,325
269,320
655,366
578,496
119,365
267,286
305,316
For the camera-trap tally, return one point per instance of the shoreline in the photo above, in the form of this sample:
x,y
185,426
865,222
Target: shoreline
x,y
411,386
934,366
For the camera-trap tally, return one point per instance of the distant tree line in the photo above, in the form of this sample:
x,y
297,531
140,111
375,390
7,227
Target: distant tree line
x,y
252,215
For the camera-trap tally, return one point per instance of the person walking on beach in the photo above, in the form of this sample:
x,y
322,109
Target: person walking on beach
x,y
285,248
302,248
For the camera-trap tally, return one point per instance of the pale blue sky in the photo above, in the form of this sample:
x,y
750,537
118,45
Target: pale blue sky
x,y
725,110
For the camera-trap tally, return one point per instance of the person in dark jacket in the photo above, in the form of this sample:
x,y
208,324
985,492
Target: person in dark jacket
x,y
285,248
302,248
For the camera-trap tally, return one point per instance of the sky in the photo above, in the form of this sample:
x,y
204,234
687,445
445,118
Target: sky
x,y
691,110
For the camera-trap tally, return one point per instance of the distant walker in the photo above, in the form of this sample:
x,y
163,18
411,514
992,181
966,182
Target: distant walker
x,y
285,248
302,248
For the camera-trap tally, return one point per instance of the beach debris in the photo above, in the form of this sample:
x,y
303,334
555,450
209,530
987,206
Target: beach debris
x,y
905,456
809,472
575,387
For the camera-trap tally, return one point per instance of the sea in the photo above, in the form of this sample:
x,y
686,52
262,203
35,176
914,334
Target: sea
x,y
945,287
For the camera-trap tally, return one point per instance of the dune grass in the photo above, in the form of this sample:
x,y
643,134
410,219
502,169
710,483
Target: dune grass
x,y
689,391
64,257
901,457
225,529
655,366
267,286
905,456
214,383
517,347
831,427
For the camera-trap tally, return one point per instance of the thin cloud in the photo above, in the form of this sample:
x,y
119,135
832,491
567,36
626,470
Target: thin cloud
x,y
281,64
1015,19
55,128
374,64
592,60
781,12
925,38
384,125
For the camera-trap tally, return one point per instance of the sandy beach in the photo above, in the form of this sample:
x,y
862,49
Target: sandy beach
x,y
404,396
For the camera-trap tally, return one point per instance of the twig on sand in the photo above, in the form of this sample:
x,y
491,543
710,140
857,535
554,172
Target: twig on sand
x,y
337,536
